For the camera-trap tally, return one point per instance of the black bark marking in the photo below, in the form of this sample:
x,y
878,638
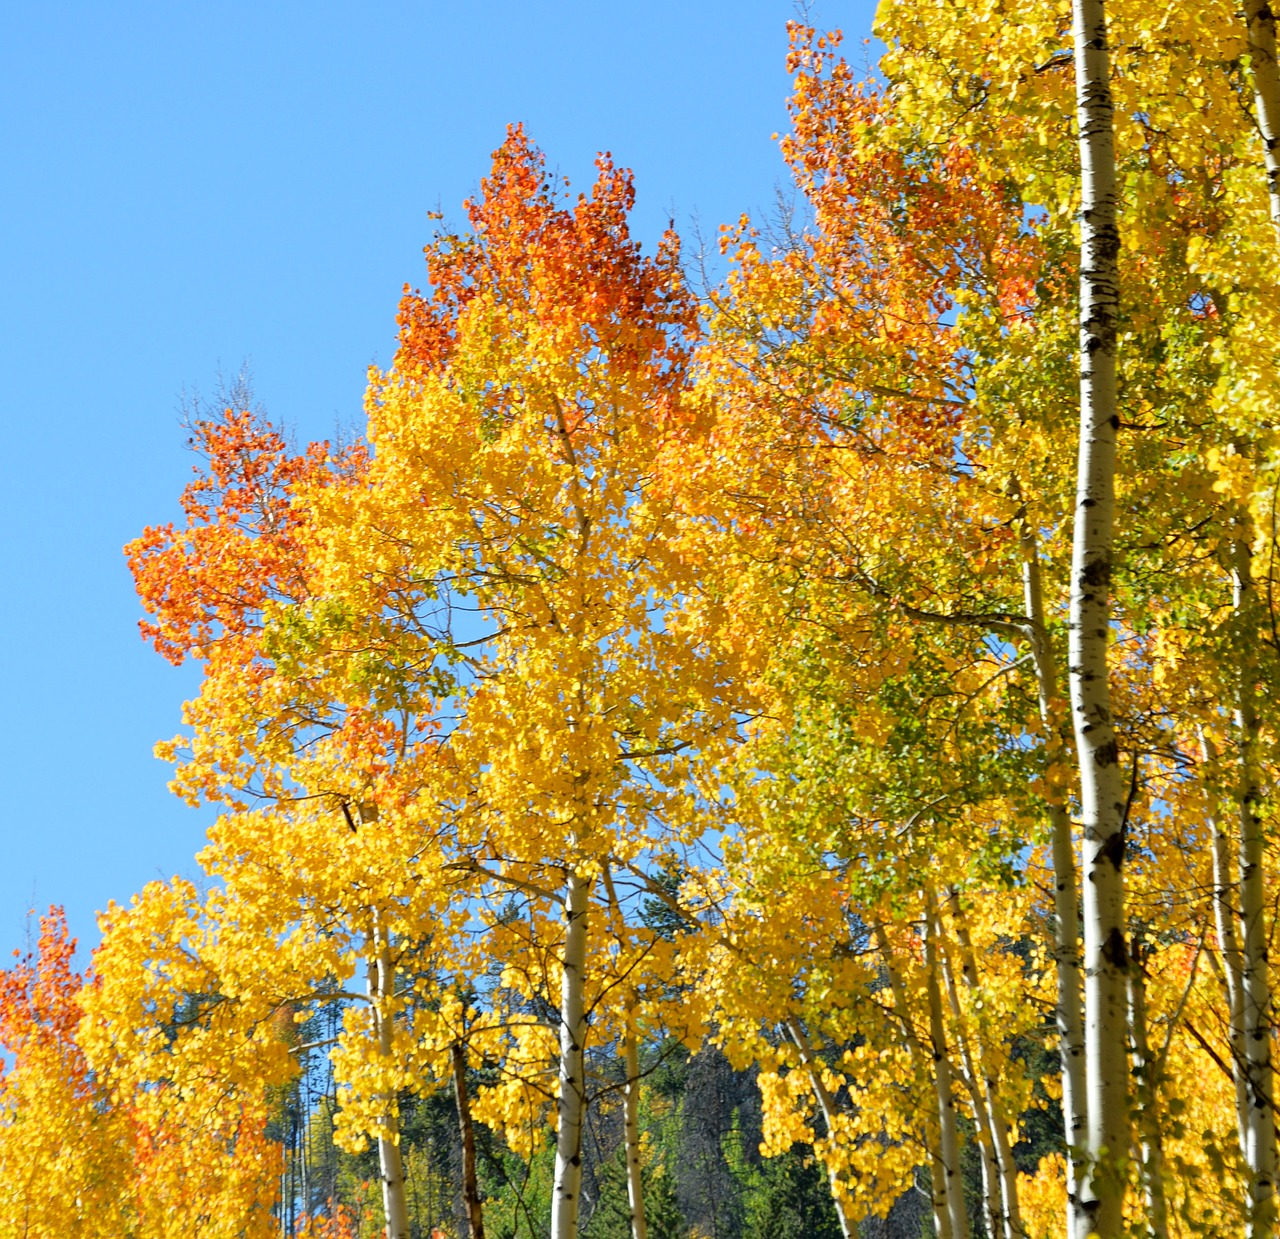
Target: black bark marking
x,y
1114,950
1097,572
1112,849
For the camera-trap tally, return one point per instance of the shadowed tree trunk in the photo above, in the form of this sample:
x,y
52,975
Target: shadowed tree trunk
x,y
470,1186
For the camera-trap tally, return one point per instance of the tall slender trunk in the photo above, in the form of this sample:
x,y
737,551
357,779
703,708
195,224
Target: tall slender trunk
x,y
1256,1000
571,1099
1066,891
999,1124
1101,784
992,1184
949,1132
1260,1153
631,1131
1261,22
381,988
942,1227
466,1130
827,1104
1147,1118
1224,920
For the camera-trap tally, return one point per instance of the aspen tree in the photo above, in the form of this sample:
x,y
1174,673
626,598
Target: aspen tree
x,y
1255,971
826,1103
467,1137
985,1073
571,1095
1260,22
381,988
515,439
1225,924
1256,994
1101,789
949,1144
1147,1119
945,1179
1066,895
631,1131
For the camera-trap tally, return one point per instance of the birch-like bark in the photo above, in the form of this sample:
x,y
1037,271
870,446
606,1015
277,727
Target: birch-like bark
x,y
1146,1116
1260,20
1066,892
1256,999
942,1228
992,1185
827,1104
467,1133
949,1132
631,1132
1224,922
1101,784
1260,1152
381,986
1002,1145
571,1097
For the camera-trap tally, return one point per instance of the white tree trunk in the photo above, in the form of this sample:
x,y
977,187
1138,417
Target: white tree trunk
x,y
1261,22
949,1132
1260,1132
992,1182
381,988
942,1228
1224,920
827,1104
1101,785
1002,1145
631,1132
1066,891
1146,1116
571,1099
1260,1152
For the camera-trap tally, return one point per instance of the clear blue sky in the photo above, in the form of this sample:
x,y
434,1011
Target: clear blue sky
x,y
188,185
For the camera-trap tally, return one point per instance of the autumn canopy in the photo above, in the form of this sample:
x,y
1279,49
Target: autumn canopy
x,y
853,673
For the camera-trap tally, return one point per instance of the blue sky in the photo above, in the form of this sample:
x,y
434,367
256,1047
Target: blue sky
x,y
194,186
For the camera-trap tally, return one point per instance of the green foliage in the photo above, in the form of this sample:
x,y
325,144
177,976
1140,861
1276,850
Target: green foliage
x,y
785,1197
611,1218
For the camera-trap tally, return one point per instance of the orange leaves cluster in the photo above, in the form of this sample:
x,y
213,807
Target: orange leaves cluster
x,y
239,550
575,272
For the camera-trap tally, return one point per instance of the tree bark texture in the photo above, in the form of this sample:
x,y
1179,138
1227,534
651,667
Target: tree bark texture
x,y
1101,785
1260,1151
631,1133
571,1097
992,1184
1146,1092
467,1133
827,1104
942,1227
381,986
1066,890
997,1120
1260,20
1224,922
1256,1000
948,1129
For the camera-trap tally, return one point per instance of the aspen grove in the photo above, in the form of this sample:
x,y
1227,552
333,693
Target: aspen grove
x,y
858,666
